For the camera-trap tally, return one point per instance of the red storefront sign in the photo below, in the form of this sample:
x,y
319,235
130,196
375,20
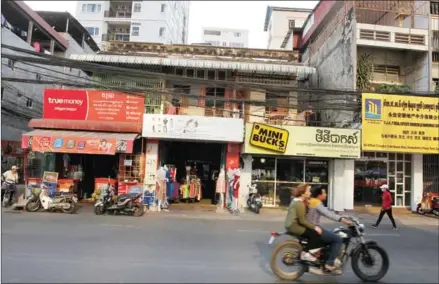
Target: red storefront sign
x,y
92,105
74,145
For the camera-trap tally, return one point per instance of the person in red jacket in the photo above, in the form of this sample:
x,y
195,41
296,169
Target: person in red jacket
x,y
386,207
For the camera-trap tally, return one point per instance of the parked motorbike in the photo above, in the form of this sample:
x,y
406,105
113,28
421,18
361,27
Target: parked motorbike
x,y
9,190
360,254
128,204
62,201
428,205
254,202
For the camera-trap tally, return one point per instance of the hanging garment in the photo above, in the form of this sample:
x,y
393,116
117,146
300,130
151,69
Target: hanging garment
x,y
235,187
221,184
161,190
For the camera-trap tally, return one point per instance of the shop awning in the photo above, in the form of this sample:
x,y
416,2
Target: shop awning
x,y
78,142
106,126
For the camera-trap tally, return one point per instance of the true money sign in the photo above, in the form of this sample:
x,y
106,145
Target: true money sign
x,y
269,137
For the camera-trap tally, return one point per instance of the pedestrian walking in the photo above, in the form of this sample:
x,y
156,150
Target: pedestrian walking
x,y
386,207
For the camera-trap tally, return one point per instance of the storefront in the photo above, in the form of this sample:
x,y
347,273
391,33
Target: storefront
x,y
87,139
12,155
190,152
397,131
277,159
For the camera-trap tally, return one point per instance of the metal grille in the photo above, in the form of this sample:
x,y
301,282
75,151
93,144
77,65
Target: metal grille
x,y
431,173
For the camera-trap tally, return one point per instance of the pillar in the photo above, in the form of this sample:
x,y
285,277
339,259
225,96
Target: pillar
x,y
417,183
52,46
341,184
246,178
30,29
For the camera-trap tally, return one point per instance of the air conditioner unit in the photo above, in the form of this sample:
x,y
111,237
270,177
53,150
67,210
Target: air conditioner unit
x,y
291,24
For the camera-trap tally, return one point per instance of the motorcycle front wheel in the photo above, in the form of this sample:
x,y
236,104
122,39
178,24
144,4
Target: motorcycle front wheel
x,y
6,199
289,253
71,208
419,210
138,210
360,258
32,206
99,210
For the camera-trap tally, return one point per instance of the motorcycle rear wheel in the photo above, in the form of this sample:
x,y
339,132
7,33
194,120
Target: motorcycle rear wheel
x,y
72,207
32,206
283,275
99,210
419,210
138,210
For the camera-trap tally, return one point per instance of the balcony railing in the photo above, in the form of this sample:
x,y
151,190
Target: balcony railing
x,y
434,8
116,37
117,14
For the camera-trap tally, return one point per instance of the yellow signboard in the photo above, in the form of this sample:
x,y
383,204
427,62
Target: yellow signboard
x,y
302,141
404,124
269,137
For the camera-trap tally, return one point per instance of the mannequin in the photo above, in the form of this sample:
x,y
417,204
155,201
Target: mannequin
x,y
168,186
220,188
160,187
235,191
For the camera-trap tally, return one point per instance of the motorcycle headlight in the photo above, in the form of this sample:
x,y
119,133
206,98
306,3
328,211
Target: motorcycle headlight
x,y
361,228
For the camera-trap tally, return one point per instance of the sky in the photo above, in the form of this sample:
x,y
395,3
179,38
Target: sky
x,y
247,15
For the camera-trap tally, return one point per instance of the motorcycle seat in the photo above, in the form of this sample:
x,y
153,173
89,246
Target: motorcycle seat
x,y
125,196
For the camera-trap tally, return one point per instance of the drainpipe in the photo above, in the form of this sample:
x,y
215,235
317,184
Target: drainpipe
x,y
30,29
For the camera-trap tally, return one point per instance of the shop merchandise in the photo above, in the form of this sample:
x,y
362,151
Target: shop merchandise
x,y
160,187
221,187
235,190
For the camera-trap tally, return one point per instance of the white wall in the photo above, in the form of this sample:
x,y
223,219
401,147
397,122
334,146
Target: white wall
x,y
341,184
228,37
417,183
278,26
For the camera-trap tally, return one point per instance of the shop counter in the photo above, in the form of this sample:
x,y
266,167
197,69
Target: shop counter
x,y
125,187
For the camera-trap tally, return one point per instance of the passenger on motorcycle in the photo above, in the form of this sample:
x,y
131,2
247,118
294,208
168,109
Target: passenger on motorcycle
x,y
11,177
315,210
297,224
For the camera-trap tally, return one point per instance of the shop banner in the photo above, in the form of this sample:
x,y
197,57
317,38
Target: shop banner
x,y
73,145
92,105
302,141
185,127
403,124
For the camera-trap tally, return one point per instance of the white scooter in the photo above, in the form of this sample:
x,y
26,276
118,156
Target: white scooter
x,y
65,202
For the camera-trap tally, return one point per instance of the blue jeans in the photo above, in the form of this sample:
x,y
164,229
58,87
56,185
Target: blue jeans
x,y
335,243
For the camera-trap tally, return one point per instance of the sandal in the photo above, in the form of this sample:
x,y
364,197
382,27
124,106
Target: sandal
x,y
333,270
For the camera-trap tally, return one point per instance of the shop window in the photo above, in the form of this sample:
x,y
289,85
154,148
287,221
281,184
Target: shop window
x,y
263,175
369,176
289,174
408,169
316,171
131,168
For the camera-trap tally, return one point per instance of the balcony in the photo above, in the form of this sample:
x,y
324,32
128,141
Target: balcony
x,y
116,37
392,37
117,16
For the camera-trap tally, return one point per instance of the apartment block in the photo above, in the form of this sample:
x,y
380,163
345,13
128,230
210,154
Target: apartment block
x,y
236,38
140,21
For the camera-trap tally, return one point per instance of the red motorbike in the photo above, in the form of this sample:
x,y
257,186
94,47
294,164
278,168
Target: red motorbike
x,y
429,204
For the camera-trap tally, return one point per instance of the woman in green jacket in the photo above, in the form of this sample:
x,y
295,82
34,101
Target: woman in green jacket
x,y
297,225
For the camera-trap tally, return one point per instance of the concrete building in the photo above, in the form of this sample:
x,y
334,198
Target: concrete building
x,y
23,28
225,37
141,21
434,43
376,46
284,26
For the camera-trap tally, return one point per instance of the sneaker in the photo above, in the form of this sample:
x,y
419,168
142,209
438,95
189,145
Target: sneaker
x,y
307,257
396,229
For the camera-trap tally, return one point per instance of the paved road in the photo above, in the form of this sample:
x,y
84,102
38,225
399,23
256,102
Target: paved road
x,y
44,247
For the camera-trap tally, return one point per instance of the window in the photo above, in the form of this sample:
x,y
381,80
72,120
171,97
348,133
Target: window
x,y
29,103
162,8
236,44
161,31
434,8
137,7
209,32
91,8
190,73
224,43
213,43
435,56
222,75
200,74
3,91
215,96
237,34
93,31
135,31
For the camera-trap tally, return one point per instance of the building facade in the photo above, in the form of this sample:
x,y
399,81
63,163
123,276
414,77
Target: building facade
x,y
284,26
225,37
25,29
377,47
141,21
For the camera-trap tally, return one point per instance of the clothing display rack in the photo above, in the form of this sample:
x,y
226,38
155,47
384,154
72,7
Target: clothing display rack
x,y
191,191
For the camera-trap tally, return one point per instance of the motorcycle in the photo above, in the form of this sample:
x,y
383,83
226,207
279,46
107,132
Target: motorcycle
x,y
9,190
428,205
62,201
361,253
129,204
254,199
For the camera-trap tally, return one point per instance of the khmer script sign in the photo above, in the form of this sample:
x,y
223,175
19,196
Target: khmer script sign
x,y
184,127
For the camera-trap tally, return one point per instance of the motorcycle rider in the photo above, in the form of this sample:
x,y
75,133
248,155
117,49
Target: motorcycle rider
x,y
316,210
297,224
10,176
